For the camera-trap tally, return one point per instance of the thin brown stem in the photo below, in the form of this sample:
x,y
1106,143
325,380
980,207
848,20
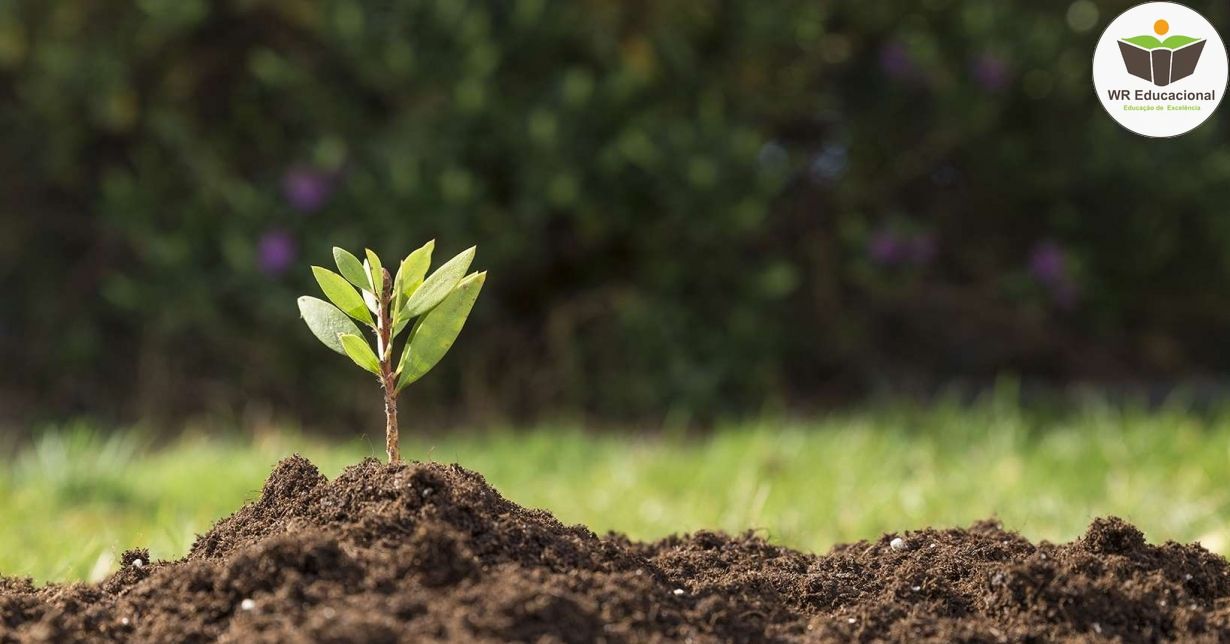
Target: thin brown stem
x,y
388,378
390,420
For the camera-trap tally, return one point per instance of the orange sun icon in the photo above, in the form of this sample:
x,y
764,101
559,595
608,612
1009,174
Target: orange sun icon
x,y
1161,27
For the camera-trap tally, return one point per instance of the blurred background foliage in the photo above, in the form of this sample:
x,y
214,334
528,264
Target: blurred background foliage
x,y
686,206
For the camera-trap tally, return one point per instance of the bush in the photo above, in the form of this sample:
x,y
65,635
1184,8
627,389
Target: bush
x,y
689,205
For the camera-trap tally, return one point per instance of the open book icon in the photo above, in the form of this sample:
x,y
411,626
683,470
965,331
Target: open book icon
x,y
1161,62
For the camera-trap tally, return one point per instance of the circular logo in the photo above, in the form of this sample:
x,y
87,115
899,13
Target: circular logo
x,y
1160,69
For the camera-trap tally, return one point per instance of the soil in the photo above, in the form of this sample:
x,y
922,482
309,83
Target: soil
x,y
426,552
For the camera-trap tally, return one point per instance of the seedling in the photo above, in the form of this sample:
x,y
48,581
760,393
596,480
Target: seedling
x,y
365,292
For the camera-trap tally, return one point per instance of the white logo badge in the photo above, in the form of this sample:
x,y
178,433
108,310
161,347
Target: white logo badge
x,y
1160,69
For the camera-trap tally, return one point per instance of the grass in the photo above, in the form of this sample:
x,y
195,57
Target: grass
x,y
74,498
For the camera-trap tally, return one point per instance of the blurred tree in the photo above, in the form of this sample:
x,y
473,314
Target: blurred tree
x,y
690,205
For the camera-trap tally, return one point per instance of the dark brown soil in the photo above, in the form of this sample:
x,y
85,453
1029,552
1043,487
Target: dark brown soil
x,y
427,552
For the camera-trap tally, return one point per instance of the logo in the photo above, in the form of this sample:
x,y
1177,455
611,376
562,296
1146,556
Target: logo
x,y
1160,45
1161,62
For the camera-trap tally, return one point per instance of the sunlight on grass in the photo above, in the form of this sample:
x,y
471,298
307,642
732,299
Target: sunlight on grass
x,y
77,497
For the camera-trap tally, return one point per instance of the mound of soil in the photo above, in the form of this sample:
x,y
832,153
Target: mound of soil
x,y
428,552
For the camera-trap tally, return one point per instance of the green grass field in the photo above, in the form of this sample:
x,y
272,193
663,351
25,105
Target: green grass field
x,y
74,498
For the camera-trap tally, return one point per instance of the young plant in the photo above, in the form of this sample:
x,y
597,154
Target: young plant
x,y
365,292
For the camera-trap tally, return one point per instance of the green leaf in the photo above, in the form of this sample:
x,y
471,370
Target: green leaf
x,y
370,300
410,273
342,294
409,278
435,332
412,269
360,351
376,272
440,284
326,322
400,320
350,267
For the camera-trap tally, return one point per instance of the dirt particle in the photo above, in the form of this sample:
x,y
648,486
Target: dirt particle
x,y
135,557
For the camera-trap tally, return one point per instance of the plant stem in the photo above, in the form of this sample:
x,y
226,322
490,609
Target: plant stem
x,y
388,378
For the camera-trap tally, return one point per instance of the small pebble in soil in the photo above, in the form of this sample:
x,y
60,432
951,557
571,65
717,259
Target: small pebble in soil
x,y
915,588
677,592
897,544
247,604
851,620
124,621
137,563
426,491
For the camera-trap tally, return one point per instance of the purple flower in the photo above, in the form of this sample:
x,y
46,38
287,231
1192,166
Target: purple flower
x,y
1048,264
884,248
275,251
889,248
990,72
307,189
895,60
